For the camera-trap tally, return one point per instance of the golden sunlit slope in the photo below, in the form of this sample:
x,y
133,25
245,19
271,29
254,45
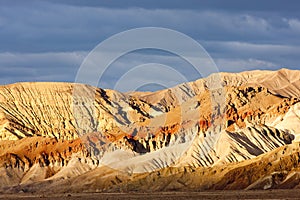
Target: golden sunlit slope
x,y
53,132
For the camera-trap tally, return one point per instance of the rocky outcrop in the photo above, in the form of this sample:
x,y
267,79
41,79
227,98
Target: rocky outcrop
x,y
57,131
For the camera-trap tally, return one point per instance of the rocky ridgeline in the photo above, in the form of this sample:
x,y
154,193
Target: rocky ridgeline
x,y
47,125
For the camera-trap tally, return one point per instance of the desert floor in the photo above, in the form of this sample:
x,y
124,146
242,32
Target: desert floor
x,y
268,194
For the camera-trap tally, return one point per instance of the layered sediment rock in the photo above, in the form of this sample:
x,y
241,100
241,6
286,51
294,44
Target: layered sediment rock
x,y
57,131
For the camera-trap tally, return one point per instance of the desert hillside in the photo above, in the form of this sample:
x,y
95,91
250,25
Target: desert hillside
x,y
226,131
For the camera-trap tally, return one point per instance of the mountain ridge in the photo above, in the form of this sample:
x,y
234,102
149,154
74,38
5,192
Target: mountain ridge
x,y
210,123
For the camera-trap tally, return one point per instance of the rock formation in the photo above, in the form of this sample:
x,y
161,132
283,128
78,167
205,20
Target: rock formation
x,y
226,131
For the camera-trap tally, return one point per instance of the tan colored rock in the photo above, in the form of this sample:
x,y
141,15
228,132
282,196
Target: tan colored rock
x,y
172,136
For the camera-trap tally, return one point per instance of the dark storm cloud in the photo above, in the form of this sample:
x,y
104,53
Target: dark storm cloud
x,y
18,67
43,27
235,5
40,39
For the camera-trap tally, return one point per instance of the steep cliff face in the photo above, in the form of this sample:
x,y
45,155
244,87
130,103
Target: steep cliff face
x,y
53,131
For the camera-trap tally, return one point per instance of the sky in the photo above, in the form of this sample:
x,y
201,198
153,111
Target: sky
x,y
48,40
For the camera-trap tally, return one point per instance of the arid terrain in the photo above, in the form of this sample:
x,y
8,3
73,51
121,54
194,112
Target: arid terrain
x,y
227,194
238,133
